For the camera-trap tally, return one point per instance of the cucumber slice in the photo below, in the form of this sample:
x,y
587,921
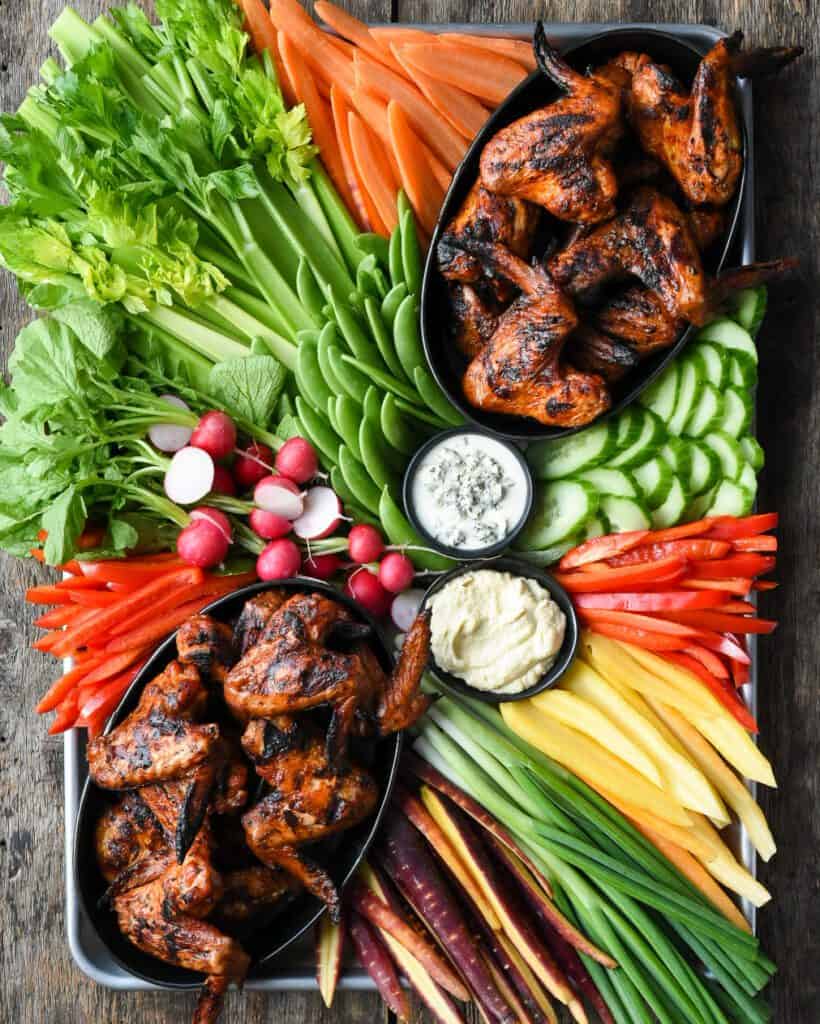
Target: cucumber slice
x,y
704,470
596,527
552,460
655,480
731,500
677,454
752,452
549,556
749,308
624,514
698,507
651,437
742,373
688,396
728,451
712,361
747,478
672,510
662,394
737,412
611,481
562,509
630,424
708,412
732,337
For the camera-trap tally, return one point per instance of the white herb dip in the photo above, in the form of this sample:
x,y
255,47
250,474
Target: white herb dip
x,y
469,492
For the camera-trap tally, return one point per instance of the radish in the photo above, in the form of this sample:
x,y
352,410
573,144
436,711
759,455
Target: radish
x,y
396,572
280,495
170,437
223,482
364,543
279,560
252,464
297,459
320,516
363,586
190,476
202,544
268,525
217,519
215,434
405,608
322,567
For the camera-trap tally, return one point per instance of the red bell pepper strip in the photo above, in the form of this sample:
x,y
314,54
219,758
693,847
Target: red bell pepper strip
x,y
654,601
79,583
63,686
765,585
697,529
131,573
730,528
747,564
694,548
640,637
724,645
607,579
66,714
760,542
59,616
48,593
112,666
710,661
647,622
723,693
720,623
740,673
738,586
99,706
599,548
95,598
737,608
156,630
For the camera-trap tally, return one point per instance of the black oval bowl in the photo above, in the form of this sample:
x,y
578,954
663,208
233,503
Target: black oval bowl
x,y
340,856
446,363
565,654
410,505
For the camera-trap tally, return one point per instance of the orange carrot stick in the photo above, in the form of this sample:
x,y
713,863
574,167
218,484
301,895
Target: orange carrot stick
x,y
462,110
389,34
374,171
356,31
258,26
519,50
373,112
437,169
414,169
324,57
480,72
365,212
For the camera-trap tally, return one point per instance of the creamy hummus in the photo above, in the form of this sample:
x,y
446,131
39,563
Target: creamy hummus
x,y
495,631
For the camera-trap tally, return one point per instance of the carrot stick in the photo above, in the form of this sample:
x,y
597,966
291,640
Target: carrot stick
x,y
437,169
438,134
356,31
519,50
112,666
66,714
258,26
462,110
155,630
374,172
326,59
62,686
373,112
480,72
389,34
413,169
361,206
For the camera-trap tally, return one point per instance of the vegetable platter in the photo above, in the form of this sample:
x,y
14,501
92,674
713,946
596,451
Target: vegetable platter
x,y
226,250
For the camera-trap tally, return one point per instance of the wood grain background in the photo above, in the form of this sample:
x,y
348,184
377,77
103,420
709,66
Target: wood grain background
x,y
39,984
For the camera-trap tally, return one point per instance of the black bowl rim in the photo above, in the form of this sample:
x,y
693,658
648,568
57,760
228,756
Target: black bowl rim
x,y
565,655
463,554
535,431
191,979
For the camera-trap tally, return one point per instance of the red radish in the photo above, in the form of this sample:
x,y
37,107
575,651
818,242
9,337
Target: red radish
x,y
252,464
279,560
268,525
215,434
170,437
280,495
364,543
215,518
321,514
202,544
297,459
396,572
322,567
364,587
190,476
405,608
223,482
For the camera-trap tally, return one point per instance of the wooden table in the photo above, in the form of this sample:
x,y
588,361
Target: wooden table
x,y
39,984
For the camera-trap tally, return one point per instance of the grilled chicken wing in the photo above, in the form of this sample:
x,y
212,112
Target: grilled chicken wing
x,y
311,799
255,615
249,894
473,317
593,351
557,156
399,701
207,645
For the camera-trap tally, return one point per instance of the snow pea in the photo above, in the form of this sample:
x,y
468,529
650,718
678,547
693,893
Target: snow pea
x,y
349,374
391,303
318,429
357,340
410,252
373,412
327,340
358,481
434,398
394,260
382,335
348,417
369,280
373,404
309,378
377,466
384,380
401,533
374,245
352,507
397,431
406,336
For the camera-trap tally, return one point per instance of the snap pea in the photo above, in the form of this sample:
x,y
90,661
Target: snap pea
x,y
348,417
357,340
401,533
307,334
331,414
394,260
396,429
373,412
423,415
260,347
391,303
352,507
406,338
318,429
372,404
434,397
384,380
373,457
374,245
309,292
410,252
346,370
358,481
382,335
370,280
309,376
327,340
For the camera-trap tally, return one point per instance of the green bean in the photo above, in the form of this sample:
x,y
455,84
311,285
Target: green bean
x,y
358,480
434,397
401,533
423,415
327,340
309,377
357,340
348,417
309,292
373,457
385,380
384,340
391,303
373,244
346,370
395,428
394,260
410,252
319,431
406,336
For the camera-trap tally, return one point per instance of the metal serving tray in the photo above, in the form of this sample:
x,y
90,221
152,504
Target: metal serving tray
x,y
295,970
